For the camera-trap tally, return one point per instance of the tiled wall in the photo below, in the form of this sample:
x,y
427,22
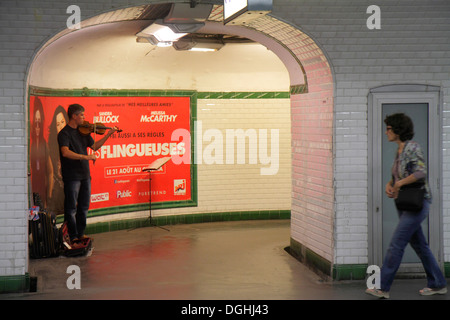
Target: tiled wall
x,y
411,47
234,187
245,186
312,213
25,27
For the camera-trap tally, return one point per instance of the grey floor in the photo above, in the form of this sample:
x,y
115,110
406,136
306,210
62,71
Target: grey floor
x,y
243,260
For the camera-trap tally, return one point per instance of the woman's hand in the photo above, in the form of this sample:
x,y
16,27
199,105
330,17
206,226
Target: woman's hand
x,y
396,188
390,190
393,190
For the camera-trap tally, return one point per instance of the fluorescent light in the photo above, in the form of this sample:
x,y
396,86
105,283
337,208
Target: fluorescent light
x,y
163,44
158,33
203,49
166,34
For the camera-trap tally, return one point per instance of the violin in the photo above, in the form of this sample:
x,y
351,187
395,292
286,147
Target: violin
x,y
99,128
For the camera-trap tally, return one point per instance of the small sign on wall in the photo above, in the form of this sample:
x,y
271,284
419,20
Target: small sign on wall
x,y
242,12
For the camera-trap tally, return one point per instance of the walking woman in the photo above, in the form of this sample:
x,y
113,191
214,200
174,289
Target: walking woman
x,y
409,167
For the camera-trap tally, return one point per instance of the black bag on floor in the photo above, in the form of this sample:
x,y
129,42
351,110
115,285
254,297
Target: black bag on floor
x,y
44,239
73,248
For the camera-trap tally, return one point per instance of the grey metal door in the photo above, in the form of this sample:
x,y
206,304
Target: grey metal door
x,y
418,112
421,103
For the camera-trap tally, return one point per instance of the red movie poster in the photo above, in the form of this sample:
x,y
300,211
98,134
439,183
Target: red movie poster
x,y
153,128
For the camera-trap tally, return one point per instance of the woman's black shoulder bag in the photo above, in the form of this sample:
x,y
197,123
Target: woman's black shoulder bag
x,y
410,197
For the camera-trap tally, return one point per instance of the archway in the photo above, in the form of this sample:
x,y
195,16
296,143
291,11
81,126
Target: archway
x,y
311,104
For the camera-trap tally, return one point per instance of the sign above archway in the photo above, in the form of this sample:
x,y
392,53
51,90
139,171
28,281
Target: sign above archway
x,y
242,12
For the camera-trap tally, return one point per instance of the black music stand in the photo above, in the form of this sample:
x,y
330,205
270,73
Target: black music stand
x,y
155,165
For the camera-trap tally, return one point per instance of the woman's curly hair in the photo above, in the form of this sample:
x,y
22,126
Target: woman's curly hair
x,y
402,125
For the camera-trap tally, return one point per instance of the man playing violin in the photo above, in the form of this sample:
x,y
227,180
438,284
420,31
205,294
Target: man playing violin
x,y
75,169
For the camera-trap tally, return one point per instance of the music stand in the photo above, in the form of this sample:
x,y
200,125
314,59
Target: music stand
x,y
155,165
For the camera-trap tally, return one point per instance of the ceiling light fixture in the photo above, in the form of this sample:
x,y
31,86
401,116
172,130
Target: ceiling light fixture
x,y
204,45
181,20
160,34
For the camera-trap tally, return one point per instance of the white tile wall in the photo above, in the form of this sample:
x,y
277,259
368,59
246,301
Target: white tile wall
x,y
411,47
25,27
224,187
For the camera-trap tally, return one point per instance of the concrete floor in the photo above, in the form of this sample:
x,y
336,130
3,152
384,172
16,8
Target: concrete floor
x,y
244,260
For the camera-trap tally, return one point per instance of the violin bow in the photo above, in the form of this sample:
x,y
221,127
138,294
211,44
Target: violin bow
x,y
95,136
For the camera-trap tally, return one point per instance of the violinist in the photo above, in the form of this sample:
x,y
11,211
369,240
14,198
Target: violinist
x,y
75,169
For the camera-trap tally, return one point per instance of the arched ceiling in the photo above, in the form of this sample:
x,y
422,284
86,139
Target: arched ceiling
x,y
104,53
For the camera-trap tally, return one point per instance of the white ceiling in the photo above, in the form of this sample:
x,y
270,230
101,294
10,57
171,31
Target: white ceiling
x,y
107,56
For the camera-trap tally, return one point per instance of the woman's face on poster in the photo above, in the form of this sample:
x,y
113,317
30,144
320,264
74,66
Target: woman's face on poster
x,y
60,122
37,122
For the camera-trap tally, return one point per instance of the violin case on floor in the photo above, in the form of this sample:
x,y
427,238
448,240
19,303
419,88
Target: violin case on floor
x,y
74,248
44,238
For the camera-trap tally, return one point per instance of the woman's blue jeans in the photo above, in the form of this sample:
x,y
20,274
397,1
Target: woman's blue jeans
x,y
409,230
76,205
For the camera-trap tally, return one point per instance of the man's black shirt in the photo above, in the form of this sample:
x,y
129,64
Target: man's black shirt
x,y
78,143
